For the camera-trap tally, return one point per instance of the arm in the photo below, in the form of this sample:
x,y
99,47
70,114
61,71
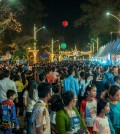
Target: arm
x,y
14,88
39,123
64,85
39,130
25,96
83,116
60,124
82,110
111,125
25,101
96,126
26,84
14,116
77,87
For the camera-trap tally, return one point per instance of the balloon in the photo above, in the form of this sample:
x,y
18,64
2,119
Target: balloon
x,y
63,45
64,23
4,58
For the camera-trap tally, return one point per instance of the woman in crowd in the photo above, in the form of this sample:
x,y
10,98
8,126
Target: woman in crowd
x,y
30,98
114,114
20,87
68,119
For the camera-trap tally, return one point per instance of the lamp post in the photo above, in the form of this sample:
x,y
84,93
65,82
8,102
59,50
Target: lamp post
x,y
35,51
97,41
52,50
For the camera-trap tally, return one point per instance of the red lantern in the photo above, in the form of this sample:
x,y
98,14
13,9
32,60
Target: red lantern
x,y
64,23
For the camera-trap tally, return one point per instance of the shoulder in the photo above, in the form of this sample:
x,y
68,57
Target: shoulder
x,y
6,102
97,119
76,110
95,99
25,94
60,113
84,102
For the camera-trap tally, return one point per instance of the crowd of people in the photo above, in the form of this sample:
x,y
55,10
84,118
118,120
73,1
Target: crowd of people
x,y
60,98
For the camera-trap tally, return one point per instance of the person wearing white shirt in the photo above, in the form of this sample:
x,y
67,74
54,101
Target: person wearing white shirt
x,y
6,84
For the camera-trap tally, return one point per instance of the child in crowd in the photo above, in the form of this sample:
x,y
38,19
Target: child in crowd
x,y
88,107
105,93
114,114
8,112
101,125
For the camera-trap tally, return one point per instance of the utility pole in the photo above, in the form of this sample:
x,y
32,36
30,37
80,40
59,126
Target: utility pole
x,y
52,50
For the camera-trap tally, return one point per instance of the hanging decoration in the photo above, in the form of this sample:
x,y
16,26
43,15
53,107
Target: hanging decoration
x,y
65,23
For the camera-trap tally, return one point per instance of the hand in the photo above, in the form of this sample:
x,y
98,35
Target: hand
x,y
88,132
16,100
17,127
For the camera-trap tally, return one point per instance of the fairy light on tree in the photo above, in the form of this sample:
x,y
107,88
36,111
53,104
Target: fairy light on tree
x,y
9,12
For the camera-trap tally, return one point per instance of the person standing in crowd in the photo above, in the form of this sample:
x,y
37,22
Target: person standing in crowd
x,y
24,80
25,68
40,116
8,112
6,84
88,107
108,77
71,83
114,114
68,119
101,124
20,87
29,99
42,78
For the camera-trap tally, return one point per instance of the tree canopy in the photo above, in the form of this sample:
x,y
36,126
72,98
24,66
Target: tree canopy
x,y
94,16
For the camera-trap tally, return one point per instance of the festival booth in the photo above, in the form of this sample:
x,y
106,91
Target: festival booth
x,y
109,54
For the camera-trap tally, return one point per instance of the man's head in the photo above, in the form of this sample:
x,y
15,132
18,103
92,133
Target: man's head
x,y
6,73
45,91
71,71
42,77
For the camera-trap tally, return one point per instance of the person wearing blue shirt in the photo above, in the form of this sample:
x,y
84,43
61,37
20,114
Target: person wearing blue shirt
x,y
108,77
114,114
71,83
26,67
8,113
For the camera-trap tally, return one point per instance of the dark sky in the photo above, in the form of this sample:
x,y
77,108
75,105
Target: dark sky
x,y
60,10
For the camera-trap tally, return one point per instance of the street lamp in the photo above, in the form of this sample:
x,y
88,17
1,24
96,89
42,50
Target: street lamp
x,y
108,14
35,51
97,41
52,50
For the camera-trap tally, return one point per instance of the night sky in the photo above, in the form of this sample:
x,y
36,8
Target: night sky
x,y
60,10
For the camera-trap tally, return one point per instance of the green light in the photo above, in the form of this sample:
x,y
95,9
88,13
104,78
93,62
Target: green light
x,y
63,45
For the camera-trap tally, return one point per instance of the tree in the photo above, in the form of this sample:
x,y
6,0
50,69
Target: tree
x,y
33,13
94,16
9,11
